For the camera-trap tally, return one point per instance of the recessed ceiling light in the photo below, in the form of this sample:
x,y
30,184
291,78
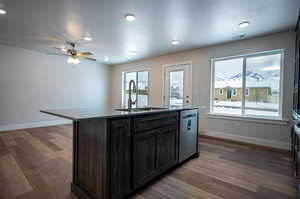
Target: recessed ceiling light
x,y
132,52
87,38
2,11
106,58
130,17
175,42
244,24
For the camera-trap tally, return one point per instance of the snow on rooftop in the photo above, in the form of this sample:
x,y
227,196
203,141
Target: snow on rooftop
x,y
237,83
253,80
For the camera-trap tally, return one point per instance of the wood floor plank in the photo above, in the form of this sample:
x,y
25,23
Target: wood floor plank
x,y
37,163
12,180
45,138
3,148
212,185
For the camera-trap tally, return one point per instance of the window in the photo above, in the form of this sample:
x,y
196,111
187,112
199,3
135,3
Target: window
x,y
141,80
221,91
247,92
259,73
234,92
176,88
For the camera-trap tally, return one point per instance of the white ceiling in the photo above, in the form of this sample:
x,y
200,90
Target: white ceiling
x,y
41,24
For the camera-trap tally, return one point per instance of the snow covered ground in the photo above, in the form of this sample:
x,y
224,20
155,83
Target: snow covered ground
x,y
176,102
252,105
251,108
247,112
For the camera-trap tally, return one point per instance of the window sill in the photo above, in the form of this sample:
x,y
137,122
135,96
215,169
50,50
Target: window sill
x,y
264,120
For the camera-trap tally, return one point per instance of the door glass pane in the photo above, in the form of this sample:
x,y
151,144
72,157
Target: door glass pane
x,y
263,83
129,76
143,89
227,94
176,88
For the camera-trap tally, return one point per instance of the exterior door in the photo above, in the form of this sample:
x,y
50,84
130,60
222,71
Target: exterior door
x,y
178,85
229,94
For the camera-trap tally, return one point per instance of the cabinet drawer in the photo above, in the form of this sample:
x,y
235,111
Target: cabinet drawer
x,y
143,123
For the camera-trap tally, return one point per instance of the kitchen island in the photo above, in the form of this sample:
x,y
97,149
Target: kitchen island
x,y
116,152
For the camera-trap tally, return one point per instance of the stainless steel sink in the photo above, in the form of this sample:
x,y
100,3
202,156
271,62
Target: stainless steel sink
x,y
140,109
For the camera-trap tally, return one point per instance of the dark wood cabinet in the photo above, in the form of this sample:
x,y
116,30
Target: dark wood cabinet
x,y
120,149
155,150
167,147
113,157
296,97
144,157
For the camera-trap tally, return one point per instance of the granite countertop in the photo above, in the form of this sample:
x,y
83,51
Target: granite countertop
x,y
80,114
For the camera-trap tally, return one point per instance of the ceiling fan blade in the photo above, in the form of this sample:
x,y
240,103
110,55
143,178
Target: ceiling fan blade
x,y
84,54
60,49
88,58
58,54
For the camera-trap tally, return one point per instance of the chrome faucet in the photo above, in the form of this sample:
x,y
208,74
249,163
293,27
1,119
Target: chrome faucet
x,y
133,89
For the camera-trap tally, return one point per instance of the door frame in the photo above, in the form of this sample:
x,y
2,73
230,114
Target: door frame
x,y
163,78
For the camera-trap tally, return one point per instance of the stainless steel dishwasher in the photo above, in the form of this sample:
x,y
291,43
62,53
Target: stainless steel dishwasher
x,y
188,134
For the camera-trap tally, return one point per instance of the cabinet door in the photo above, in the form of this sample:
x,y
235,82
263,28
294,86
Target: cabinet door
x,y
120,157
167,148
144,157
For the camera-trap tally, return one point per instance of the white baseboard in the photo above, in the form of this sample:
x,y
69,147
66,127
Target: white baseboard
x,y
33,125
252,140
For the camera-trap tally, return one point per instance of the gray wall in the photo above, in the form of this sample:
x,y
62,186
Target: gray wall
x,y
254,132
30,81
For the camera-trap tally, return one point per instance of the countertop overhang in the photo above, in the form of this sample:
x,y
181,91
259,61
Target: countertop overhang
x,y
90,113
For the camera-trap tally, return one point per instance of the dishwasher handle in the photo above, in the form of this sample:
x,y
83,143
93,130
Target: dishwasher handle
x,y
190,115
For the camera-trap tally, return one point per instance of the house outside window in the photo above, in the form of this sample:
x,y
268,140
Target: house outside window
x,y
252,85
142,85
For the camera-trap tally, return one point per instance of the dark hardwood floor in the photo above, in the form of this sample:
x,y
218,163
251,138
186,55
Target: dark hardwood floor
x,y
36,164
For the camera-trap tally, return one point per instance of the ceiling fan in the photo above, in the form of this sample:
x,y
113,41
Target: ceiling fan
x,y
73,54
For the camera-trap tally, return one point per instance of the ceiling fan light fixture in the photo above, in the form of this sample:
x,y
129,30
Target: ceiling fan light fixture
x,y
130,17
73,60
2,11
64,50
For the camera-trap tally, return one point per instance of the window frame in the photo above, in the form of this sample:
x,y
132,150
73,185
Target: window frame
x,y
123,103
245,56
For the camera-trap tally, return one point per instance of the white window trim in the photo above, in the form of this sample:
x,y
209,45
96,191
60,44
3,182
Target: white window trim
x,y
141,69
248,118
243,115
